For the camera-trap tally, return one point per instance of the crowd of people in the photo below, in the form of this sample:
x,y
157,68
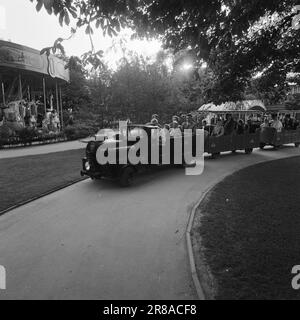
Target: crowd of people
x,y
226,125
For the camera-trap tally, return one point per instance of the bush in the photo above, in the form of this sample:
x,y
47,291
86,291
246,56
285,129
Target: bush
x,y
27,135
70,132
78,131
5,132
84,131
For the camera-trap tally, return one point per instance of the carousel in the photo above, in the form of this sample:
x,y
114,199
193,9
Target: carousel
x,y
31,89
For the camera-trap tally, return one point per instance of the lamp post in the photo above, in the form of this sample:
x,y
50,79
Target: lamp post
x,y
3,92
61,108
20,88
44,92
57,99
28,93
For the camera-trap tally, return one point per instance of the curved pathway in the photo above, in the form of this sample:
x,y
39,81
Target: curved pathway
x,y
94,240
41,149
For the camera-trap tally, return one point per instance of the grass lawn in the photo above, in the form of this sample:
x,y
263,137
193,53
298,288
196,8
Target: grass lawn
x,y
250,232
23,178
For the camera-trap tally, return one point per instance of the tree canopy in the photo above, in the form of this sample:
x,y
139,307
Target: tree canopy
x,y
238,39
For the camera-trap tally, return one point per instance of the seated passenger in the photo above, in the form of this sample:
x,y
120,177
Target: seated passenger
x,y
155,116
198,123
154,121
175,130
295,124
250,127
181,118
265,124
201,124
288,122
229,125
174,120
187,124
207,128
191,118
276,123
240,128
218,130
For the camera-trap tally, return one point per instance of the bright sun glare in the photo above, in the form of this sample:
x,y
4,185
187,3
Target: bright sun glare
x,y
148,49
187,66
2,18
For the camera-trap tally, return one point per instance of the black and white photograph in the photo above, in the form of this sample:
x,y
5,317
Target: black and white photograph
x,y
149,153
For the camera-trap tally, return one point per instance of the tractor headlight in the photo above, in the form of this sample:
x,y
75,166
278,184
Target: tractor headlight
x,y
87,166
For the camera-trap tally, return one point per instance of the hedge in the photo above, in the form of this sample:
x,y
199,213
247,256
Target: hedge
x,y
31,135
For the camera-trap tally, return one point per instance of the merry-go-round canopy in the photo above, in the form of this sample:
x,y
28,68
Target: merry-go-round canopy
x,y
15,58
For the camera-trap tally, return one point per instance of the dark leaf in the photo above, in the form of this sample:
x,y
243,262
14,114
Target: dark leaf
x,y
67,18
39,5
73,13
61,48
61,18
45,50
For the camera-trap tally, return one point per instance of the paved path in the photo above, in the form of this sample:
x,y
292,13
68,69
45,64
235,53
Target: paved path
x,y
94,240
41,149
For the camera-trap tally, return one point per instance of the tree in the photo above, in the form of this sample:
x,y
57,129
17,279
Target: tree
x,y
263,88
138,89
76,93
293,102
236,38
99,82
